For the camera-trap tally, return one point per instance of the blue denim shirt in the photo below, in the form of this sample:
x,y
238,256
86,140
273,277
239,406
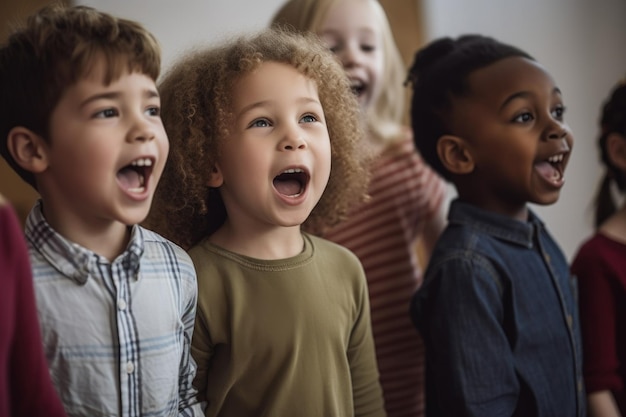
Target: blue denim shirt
x,y
498,313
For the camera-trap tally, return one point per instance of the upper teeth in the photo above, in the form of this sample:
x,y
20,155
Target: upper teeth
x,y
556,158
141,162
292,171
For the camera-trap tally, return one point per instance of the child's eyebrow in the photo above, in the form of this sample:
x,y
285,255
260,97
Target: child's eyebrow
x,y
264,103
112,95
524,94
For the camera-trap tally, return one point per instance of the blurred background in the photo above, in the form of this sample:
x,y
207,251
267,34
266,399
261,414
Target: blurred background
x,y
581,42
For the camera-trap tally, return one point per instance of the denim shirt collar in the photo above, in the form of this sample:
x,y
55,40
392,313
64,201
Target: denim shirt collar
x,y
72,260
494,224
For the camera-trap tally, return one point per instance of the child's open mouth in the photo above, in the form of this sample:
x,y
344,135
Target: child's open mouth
x,y
291,182
358,87
133,177
552,169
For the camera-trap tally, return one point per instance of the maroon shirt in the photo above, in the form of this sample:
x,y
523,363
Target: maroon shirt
x,y
25,386
600,266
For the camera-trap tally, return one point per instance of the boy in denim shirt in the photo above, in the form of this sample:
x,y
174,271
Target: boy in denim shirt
x,y
80,121
497,309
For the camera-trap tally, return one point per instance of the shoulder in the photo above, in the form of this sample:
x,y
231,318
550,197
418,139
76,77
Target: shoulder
x,y
161,251
9,221
334,260
597,252
205,258
463,253
590,248
328,250
13,252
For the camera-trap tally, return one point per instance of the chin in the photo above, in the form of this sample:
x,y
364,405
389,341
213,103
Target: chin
x,y
547,200
134,216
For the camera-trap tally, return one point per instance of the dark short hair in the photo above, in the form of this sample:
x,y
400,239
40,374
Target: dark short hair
x,y
439,72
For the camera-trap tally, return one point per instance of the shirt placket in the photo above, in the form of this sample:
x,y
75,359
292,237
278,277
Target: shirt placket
x,y
129,363
568,314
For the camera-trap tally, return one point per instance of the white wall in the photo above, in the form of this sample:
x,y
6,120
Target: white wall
x,y
581,42
182,24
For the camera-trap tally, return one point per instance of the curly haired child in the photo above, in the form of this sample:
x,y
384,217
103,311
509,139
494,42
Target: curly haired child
x,y
283,325
81,124
601,271
497,310
407,199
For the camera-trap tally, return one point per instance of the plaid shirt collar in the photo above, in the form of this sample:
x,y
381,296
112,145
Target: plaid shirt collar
x,y
73,260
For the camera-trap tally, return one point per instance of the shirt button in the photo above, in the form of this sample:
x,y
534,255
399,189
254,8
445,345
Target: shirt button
x,y
546,257
121,304
570,320
130,367
580,385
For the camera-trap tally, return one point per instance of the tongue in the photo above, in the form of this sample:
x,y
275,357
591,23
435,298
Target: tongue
x,y
548,171
129,178
287,187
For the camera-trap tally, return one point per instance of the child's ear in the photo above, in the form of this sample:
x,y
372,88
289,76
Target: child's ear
x,y
216,179
28,149
616,150
455,155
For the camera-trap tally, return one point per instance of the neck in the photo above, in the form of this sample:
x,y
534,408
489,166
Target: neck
x,y
107,239
268,244
514,211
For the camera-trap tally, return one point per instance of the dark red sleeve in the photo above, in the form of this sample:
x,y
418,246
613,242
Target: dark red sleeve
x,y
25,386
597,267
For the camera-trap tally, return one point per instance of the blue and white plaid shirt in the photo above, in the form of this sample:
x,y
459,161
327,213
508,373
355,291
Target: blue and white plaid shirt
x,y
116,334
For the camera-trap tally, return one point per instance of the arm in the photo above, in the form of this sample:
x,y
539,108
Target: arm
x,y
602,404
31,389
460,314
202,352
188,402
598,322
366,390
433,212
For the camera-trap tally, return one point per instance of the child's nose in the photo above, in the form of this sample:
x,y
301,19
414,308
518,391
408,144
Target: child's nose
x,y
557,130
141,131
292,140
351,56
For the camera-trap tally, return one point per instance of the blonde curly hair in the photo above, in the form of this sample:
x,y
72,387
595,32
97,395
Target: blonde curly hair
x,y
196,96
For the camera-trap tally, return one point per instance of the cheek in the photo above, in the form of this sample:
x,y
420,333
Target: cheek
x,y
377,75
324,161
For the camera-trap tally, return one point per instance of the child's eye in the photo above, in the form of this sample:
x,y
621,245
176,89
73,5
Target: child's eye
x,y
106,113
368,48
308,118
523,118
154,111
558,112
260,123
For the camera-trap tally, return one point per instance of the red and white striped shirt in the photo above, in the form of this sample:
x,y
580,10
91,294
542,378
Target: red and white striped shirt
x,y
404,194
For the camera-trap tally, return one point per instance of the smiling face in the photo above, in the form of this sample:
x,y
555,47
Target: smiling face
x,y
511,123
107,151
275,163
352,32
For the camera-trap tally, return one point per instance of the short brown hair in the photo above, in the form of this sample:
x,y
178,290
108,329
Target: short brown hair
x,y
196,112
55,48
